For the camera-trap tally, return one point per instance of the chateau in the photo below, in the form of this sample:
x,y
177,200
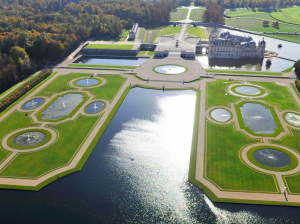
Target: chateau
x,y
227,45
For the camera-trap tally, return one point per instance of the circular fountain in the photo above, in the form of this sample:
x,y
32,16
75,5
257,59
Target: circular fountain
x,y
272,158
95,107
170,69
247,90
87,82
292,119
34,103
29,138
220,115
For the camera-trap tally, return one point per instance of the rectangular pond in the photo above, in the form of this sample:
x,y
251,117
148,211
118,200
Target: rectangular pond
x,y
63,106
120,61
258,118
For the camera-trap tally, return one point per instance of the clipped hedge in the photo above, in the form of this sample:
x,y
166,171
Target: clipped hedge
x,y
10,99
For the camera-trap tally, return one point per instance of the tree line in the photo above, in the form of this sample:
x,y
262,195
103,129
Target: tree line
x,y
50,29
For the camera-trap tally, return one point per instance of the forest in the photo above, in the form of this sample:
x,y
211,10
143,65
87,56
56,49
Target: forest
x,y
32,31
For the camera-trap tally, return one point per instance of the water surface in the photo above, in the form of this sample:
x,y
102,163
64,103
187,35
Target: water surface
x,y
258,118
293,119
87,82
34,103
272,158
221,115
247,90
95,107
170,69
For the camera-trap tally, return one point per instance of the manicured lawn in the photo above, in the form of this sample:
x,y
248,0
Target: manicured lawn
x,y
256,25
197,14
288,15
295,89
110,46
125,34
279,95
170,30
288,37
198,32
110,89
102,66
223,164
215,94
30,165
151,53
288,69
242,12
243,72
60,84
142,53
179,14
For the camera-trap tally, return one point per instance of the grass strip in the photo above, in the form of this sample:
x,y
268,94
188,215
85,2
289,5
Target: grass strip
x,y
110,46
288,69
244,72
102,66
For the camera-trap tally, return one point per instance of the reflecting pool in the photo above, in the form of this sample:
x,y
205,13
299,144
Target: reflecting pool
x,y
258,118
95,107
170,69
125,61
221,115
31,104
137,173
272,158
247,90
87,82
63,106
293,119
30,138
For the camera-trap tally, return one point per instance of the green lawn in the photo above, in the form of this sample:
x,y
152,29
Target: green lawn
x,y
197,14
110,89
215,94
110,46
242,12
151,53
178,14
279,95
102,66
151,36
295,89
170,30
31,165
142,53
223,164
198,32
256,25
243,72
60,84
287,37
288,69
288,15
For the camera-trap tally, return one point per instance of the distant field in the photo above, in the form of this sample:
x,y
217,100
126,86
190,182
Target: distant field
x,y
110,46
256,25
196,31
287,37
196,14
288,15
179,14
170,30
242,12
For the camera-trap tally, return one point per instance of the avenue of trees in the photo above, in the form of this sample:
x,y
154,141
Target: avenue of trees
x,y
39,30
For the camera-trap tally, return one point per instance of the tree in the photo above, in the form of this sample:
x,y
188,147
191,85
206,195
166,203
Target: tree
x,y
265,23
297,67
17,53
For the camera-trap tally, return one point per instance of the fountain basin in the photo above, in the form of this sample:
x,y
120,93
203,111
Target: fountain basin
x,y
88,82
170,69
220,115
34,103
247,90
292,119
62,106
95,107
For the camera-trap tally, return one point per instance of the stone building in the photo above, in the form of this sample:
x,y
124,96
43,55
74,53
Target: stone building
x,y
133,31
227,45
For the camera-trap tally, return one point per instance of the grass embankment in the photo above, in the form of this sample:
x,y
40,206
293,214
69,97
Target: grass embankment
x,y
102,66
224,166
288,15
197,14
198,32
110,46
256,25
215,94
244,72
287,37
288,69
35,164
279,96
145,53
178,14
295,89
170,30
242,12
